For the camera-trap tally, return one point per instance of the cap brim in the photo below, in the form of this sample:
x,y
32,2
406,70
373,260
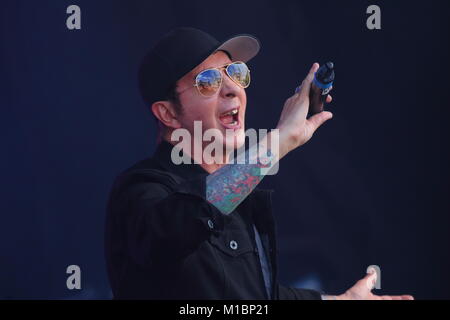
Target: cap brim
x,y
242,47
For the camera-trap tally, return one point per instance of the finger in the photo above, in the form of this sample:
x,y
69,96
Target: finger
x,y
371,278
397,298
403,297
368,282
329,99
297,91
318,119
306,85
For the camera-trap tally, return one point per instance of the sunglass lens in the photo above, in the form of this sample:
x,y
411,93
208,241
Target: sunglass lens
x,y
209,81
240,73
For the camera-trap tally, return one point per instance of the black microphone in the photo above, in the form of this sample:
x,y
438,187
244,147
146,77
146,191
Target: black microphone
x,y
320,87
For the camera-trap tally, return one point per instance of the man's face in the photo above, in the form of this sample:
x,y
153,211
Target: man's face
x,y
211,111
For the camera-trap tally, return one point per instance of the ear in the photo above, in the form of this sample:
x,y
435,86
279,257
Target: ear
x,y
165,113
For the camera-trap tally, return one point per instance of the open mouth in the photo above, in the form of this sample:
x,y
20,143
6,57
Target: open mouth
x,y
230,119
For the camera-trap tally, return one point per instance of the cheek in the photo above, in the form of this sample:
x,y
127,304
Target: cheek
x,y
199,110
243,100
206,113
244,97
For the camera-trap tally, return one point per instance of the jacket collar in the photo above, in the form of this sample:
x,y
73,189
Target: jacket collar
x,y
162,157
259,199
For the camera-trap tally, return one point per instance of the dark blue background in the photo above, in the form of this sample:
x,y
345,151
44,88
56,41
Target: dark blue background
x,y
371,187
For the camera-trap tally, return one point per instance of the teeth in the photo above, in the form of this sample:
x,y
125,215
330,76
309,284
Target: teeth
x,y
231,113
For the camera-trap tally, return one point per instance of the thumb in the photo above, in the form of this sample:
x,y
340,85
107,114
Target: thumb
x,y
306,85
318,119
369,280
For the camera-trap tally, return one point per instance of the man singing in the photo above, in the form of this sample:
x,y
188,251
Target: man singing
x,y
201,229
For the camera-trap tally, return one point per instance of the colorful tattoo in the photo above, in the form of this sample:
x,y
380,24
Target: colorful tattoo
x,y
227,187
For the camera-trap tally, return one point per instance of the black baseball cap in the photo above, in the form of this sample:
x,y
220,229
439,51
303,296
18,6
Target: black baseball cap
x,y
180,51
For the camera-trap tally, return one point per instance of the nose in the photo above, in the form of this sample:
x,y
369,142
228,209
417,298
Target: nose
x,y
229,88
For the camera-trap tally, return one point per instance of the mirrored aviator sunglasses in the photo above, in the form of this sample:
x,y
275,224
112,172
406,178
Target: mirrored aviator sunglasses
x,y
209,81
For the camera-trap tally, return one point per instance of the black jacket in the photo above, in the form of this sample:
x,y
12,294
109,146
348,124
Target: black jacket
x,y
163,240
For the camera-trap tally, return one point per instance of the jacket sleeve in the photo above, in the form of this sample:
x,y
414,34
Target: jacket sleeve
x,y
288,293
165,222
